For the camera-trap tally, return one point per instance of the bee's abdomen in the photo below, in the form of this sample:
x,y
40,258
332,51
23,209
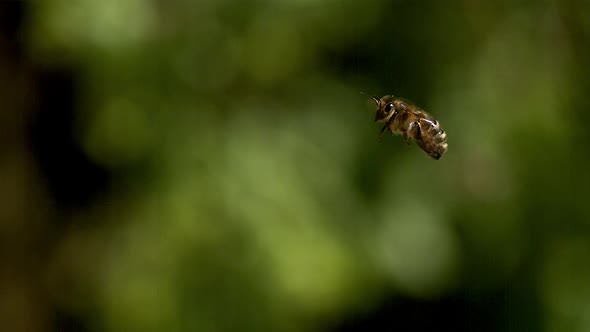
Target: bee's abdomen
x,y
434,138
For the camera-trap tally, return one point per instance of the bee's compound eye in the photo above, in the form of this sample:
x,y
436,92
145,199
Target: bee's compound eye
x,y
388,107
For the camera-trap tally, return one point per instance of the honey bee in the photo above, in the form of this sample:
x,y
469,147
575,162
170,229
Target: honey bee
x,y
401,116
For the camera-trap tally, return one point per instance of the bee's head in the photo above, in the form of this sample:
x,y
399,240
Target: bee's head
x,y
385,108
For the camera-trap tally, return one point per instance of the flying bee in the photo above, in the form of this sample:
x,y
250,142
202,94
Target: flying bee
x,y
401,116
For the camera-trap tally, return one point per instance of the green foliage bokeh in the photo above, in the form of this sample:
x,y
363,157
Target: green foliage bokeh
x,y
249,192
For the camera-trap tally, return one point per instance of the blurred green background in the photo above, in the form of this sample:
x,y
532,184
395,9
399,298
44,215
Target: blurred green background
x,y
211,166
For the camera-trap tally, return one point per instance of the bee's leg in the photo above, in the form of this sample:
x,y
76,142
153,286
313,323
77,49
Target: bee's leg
x,y
382,131
419,139
415,130
406,139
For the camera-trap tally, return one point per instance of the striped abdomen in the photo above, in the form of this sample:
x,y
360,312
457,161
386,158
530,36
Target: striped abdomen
x,y
432,138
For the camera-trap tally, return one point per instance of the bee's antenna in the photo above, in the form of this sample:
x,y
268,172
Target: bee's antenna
x,y
377,100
